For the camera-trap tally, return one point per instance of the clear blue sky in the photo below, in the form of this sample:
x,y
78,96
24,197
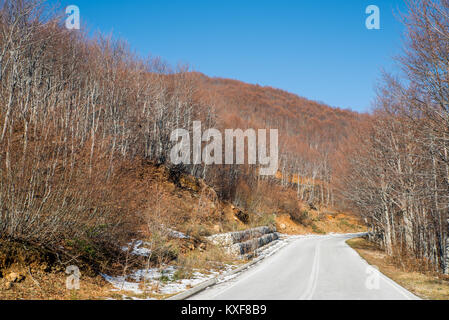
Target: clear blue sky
x,y
318,49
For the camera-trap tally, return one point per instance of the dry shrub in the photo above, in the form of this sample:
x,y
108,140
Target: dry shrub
x,y
297,213
261,199
409,263
213,258
301,217
71,210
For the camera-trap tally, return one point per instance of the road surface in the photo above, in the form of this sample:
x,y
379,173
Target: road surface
x,y
310,268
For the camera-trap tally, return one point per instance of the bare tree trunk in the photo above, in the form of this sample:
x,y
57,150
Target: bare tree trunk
x,y
446,262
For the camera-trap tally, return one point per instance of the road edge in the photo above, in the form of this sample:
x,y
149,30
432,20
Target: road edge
x,y
211,282
409,295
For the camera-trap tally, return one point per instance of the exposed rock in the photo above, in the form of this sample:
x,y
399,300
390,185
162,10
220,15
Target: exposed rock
x,y
7,285
228,239
15,277
251,245
12,277
242,216
283,226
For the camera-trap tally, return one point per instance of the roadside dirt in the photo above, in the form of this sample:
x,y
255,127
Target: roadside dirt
x,y
320,222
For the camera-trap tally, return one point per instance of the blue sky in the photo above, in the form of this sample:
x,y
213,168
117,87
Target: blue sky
x,y
318,49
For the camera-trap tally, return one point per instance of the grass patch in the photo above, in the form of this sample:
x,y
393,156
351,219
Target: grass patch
x,y
317,229
190,262
361,243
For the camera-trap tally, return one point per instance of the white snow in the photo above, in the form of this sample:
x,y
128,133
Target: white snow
x,y
177,234
136,248
134,282
121,284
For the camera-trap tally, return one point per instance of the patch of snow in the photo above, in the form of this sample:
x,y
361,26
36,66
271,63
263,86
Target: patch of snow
x,y
184,284
153,274
177,234
120,284
134,282
137,248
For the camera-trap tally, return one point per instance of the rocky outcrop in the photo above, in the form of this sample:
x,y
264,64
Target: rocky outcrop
x,y
251,245
243,242
228,239
11,279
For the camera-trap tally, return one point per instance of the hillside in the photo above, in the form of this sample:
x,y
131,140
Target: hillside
x,y
310,132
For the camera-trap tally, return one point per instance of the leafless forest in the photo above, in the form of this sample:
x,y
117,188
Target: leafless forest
x,y
76,112
396,165
73,110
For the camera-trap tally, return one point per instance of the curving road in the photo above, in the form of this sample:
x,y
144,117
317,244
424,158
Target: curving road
x,y
310,268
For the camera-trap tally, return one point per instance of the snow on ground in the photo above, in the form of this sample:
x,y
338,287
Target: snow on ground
x,y
177,234
163,279
136,248
174,233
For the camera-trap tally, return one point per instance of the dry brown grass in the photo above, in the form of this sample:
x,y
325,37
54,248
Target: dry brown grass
x,y
214,258
52,286
40,275
427,285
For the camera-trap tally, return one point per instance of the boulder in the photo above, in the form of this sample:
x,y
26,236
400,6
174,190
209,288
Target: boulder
x,y
15,277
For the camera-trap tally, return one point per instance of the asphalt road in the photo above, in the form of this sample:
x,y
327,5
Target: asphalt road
x,y
313,268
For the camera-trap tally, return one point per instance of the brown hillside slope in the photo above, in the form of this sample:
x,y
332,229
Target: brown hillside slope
x,y
310,133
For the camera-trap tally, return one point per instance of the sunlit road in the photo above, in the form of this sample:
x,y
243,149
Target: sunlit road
x,y
311,268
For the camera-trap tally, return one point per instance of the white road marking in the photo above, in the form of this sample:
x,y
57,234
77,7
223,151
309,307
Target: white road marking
x,y
313,280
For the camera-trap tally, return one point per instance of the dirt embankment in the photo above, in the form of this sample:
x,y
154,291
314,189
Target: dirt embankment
x,y
319,221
